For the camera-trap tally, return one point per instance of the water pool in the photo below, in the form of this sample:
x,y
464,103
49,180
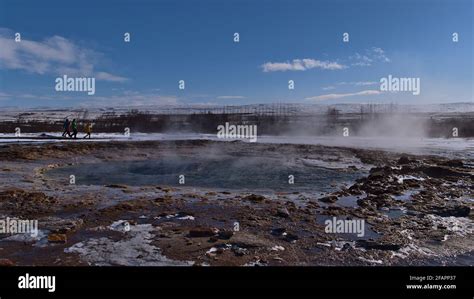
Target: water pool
x,y
220,172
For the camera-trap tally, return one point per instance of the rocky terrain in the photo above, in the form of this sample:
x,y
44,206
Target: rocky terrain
x,y
417,209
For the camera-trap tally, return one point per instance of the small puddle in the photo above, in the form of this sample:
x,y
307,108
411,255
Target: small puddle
x,y
394,212
347,201
407,195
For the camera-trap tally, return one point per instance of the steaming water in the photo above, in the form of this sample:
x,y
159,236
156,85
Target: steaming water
x,y
223,172
459,148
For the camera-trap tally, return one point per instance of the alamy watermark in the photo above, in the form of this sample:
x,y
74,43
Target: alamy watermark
x,y
66,83
28,281
394,84
237,132
345,226
19,226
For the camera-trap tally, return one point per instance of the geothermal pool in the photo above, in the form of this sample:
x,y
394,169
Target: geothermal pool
x,y
221,172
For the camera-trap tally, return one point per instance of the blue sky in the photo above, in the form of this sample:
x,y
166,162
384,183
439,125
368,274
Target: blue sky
x,y
193,41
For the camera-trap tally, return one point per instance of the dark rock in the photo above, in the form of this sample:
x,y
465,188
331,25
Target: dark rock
x,y
245,240
412,213
225,235
239,251
453,163
118,186
283,212
411,183
203,232
329,199
346,246
441,172
458,211
291,238
213,239
278,231
378,173
365,203
355,189
255,198
378,201
403,160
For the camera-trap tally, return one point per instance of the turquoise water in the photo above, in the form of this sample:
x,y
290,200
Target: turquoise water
x,y
222,172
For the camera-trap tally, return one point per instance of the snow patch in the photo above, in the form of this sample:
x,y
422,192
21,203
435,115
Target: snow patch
x,y
134,250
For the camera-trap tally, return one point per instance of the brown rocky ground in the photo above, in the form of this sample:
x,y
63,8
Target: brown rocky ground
x,y
418,210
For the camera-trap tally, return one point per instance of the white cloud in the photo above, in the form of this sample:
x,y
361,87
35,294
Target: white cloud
x,y
334,96
54,55
4,95
354,83
369,57
109,77
359,83
301,65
